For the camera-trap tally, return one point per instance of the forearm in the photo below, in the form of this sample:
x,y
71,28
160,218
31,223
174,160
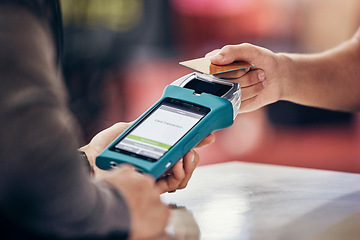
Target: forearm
x,y
328,80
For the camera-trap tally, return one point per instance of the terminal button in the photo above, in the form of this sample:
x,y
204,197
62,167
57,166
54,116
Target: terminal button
x,y
168,165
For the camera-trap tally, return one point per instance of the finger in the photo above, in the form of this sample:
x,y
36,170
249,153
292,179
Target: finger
x,y
206,141
177,175
230,53
232,74
251,78
191,160
127,173
116,129
249,105
252,91
120,126
130,169
126,168
172,181
212,53
110,133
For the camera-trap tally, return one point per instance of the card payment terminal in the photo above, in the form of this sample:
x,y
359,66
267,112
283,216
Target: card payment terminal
x,y
190,109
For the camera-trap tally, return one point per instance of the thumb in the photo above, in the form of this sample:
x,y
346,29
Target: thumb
x,y
231,53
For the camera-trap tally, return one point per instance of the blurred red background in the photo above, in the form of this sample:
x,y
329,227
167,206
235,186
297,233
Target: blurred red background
x,y
119,58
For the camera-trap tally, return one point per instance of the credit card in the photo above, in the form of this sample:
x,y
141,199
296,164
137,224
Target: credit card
x,y
204,65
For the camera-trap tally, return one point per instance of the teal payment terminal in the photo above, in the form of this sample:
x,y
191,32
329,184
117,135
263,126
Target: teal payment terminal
x,y
190,109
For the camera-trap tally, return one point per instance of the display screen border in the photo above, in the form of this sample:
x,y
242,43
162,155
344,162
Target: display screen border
x,y
180,104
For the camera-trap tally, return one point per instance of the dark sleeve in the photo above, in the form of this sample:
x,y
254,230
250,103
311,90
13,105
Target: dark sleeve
x,y
43,185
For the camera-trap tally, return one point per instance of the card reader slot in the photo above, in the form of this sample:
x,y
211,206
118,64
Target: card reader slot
x,y
213,88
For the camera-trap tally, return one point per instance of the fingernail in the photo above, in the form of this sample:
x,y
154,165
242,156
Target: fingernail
x,y
193,157
217,58
264,83
261,75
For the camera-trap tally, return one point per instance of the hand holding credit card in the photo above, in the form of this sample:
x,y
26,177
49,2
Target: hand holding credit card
x,y
204,65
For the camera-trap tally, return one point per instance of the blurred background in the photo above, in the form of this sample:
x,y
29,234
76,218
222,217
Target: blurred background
x,y
120,54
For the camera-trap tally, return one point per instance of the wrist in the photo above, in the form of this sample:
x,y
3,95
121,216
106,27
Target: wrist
x,y
286,77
